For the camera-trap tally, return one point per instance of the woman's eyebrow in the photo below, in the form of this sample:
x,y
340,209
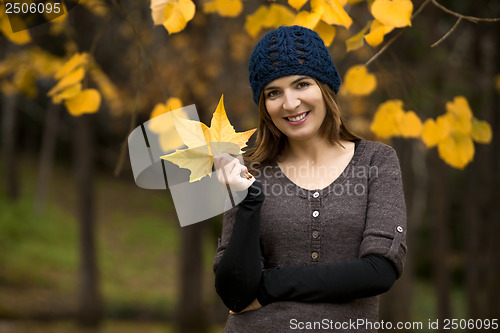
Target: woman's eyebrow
x,y
294,81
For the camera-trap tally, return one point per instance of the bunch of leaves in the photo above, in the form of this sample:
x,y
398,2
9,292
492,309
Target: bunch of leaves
x,y
203,142
453,132
69,87
19,71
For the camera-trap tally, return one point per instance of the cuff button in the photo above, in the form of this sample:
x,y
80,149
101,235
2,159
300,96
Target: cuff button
x,y
399,228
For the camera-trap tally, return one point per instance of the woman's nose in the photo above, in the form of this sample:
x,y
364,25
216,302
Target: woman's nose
x,y
290,101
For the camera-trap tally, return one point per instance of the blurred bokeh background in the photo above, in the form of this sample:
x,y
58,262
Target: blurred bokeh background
x,y
82,248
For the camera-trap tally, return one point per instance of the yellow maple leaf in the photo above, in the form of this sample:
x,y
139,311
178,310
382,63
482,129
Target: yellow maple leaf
x,y
204,142
355,42
332,12
87,101
177,14
297,4
377,32
457,150
481,131
268,17
393,13
358,81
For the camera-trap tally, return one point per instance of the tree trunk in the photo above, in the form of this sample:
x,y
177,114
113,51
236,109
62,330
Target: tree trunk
x,y
89,311
190,311
9,131
440,239
46,157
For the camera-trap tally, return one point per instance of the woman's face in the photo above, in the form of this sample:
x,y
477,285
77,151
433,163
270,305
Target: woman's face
x,y
296,106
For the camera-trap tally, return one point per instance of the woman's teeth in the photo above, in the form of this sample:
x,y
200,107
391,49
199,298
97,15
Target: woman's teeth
x,y
302,116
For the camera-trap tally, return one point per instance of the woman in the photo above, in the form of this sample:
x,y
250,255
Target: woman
x,y
322,229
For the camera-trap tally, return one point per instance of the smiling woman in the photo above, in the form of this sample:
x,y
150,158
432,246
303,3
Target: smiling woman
x,y
320,243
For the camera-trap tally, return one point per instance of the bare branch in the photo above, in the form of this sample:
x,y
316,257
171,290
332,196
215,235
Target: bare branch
x,y
448,33
465,17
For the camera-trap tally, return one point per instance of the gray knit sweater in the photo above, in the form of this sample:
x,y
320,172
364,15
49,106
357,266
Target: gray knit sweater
x,y
362,212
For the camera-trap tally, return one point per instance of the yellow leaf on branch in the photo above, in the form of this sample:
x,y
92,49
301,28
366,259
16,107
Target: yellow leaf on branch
x,y
393,13
326,32
69,92
386,120
70,79
164,126
204,143
459,114
358,81
77,60
434,132
481,131
297,4
268,17
391,120
457,150
356,41
173,14
410,125
87,101
332,12
377,32
227,8
21,37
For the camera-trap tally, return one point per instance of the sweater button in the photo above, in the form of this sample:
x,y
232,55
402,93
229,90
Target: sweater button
x,y
399,228
315,213
315,234
315,194
314,255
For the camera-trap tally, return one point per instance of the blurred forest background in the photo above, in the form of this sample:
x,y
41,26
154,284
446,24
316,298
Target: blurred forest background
x,y
82,248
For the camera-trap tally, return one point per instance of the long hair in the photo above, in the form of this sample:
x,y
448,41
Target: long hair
x,y
270,142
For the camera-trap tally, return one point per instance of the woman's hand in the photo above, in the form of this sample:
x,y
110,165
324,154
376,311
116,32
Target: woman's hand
x,y
231,172
255,305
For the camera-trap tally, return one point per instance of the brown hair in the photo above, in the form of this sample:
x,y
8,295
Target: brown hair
x,y
270,142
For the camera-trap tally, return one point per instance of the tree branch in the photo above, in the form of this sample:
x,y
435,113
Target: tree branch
x,y
465,17
448,33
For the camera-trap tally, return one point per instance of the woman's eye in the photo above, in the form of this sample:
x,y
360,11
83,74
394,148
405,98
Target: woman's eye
x,y
272,93
302,84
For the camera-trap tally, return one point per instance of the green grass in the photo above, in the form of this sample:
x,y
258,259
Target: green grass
x,y
137,245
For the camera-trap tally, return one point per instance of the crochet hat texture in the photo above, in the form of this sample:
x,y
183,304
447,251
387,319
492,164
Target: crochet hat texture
x,y
290,50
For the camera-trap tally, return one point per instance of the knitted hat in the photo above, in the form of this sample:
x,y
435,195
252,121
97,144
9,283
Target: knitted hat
x,y
290,50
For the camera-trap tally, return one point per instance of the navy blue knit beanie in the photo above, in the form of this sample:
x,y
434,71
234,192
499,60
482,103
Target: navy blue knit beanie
x,y
290,50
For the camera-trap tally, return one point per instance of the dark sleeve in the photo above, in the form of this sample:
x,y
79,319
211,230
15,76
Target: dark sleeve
x,y
238,264
333,283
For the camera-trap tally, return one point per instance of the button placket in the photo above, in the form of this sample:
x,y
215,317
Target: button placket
x,y
315,226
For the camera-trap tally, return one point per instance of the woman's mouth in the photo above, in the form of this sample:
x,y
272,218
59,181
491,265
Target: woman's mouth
x,y
297,119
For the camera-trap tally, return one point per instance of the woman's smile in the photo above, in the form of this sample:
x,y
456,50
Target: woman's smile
x,y
297,119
